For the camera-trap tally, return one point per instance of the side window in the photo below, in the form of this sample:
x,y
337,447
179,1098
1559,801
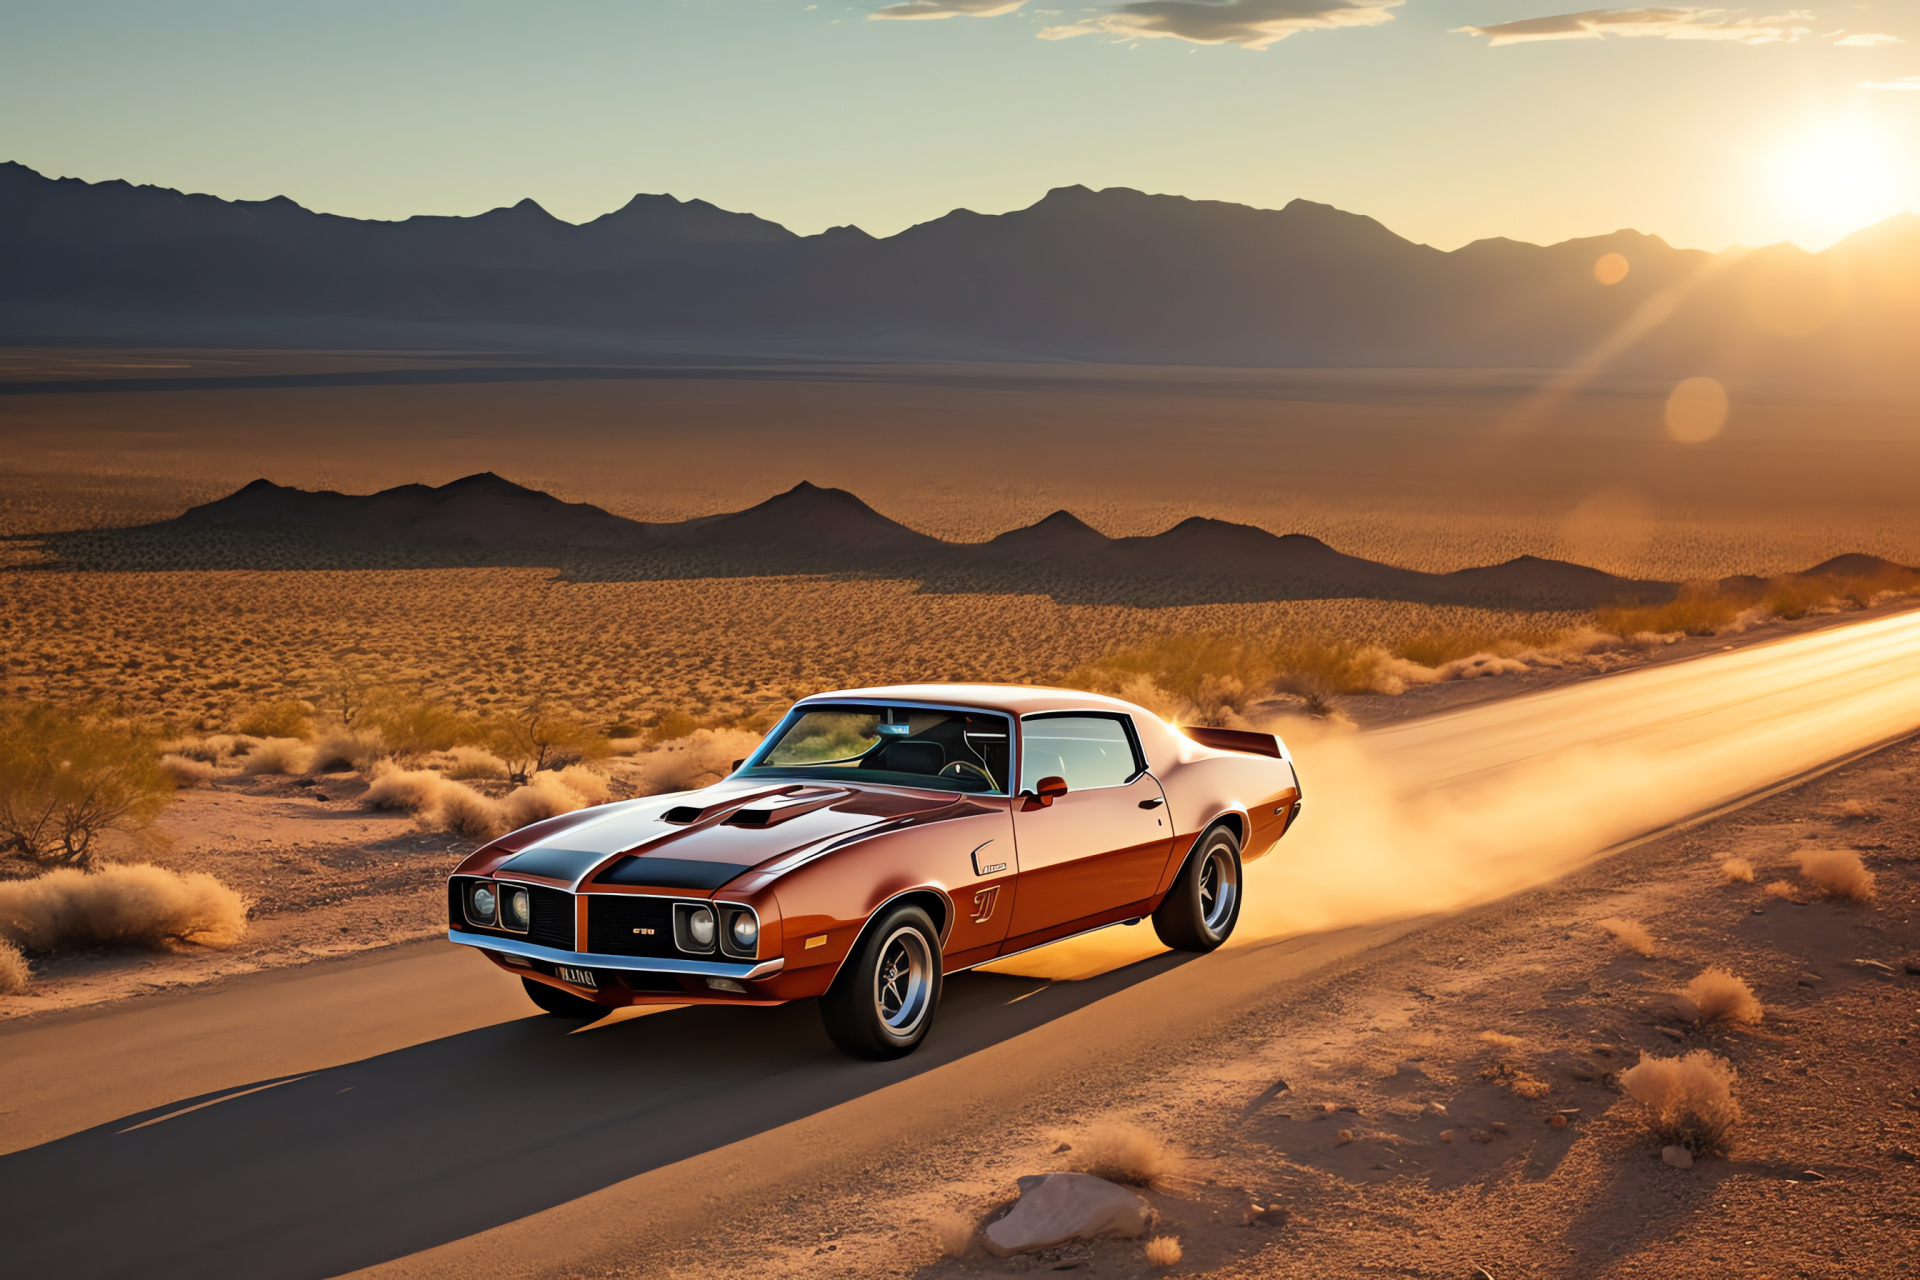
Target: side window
x,y
1088,751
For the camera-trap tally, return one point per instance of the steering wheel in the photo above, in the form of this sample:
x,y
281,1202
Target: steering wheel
x,y
961,768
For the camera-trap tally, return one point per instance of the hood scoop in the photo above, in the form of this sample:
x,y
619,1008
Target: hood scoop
x,y
785,809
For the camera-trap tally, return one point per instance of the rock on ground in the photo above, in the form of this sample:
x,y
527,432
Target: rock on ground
x,y
1057,1207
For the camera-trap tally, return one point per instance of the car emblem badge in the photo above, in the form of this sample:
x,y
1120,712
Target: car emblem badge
x,y
983,903
648,932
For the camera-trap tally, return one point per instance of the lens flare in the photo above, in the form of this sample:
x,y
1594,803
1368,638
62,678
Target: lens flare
x,y
1611,268
1696,410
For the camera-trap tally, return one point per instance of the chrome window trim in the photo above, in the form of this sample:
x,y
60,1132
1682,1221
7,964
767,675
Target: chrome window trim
x,y
1127,728
622,964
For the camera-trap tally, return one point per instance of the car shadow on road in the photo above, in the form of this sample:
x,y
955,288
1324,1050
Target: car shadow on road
x,y
353,1165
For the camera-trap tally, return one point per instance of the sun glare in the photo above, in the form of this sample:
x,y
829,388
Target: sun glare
x,y
1834,177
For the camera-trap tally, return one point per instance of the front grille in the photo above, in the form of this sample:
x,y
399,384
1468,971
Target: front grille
x,y
614,921
552,917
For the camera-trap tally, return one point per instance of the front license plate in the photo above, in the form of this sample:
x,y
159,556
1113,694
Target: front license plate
x,y
578,977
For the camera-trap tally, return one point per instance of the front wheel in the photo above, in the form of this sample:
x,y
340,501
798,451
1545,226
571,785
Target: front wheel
x,y
1204,904
561,1004
882,1003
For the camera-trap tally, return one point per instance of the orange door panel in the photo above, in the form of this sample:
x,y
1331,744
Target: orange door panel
x,y
1088,852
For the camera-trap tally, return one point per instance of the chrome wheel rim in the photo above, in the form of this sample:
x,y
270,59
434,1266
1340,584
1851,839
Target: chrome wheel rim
x,y
903,981
1219,889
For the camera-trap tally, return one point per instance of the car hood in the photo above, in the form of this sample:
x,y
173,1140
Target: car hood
x,y
698,841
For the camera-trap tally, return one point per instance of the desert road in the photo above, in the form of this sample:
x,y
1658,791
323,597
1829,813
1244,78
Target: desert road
x,y
404,1108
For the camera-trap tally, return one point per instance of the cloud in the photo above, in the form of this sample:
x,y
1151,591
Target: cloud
x,y
1252,24
948,9
1868,40
1904,83
1664,24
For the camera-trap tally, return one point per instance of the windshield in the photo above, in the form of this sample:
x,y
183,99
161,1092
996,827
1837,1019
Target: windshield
x,y
904,746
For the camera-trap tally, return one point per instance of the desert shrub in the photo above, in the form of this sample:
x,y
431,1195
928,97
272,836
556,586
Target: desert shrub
x,y
1163,1251
953,1232
1436,648
342,748
136,905
440,802
186,772
1119,1153
1837,874
66,780
540,738
403,790
282,719
1688,1100
1630,934
702,757
1737,871
1699,610
14,974
413,727
278,755
466,813
545,795
671,727
474,762
1792,598
1721,997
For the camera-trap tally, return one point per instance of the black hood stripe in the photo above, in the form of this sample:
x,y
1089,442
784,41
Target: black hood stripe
x,y
671,873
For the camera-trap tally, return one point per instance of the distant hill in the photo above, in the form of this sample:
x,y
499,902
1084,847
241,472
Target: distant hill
x,y
1113,275
486,520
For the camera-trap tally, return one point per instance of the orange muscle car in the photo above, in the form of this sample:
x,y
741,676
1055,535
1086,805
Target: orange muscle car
x,y
876,841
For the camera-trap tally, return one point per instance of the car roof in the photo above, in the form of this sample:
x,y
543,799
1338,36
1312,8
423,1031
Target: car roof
x,y
1015,699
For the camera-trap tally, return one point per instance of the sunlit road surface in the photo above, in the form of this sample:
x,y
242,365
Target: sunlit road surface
x,y
405,1111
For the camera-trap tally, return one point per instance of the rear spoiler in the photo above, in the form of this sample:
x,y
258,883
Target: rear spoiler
x,y
1256,744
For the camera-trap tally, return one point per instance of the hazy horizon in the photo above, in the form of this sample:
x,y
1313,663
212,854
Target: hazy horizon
x,y
1448,123
695,197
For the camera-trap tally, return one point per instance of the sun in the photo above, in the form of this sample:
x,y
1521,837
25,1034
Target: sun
x,y
1835,176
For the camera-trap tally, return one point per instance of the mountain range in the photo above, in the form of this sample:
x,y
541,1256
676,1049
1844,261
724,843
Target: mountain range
x,y
1111,275
486,520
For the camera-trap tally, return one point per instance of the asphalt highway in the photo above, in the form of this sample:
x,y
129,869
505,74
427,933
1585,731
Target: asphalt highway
x,y
403,1110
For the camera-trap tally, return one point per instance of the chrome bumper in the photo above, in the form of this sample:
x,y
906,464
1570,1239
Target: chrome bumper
x,y
625,964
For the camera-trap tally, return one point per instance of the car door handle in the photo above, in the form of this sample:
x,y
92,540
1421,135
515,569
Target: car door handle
x,y
1154,803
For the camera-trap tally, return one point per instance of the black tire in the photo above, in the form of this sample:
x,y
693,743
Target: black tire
x,y
882,1002
562,1004
1199,912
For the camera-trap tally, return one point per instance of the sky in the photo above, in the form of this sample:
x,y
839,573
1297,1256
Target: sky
x,y
1448,120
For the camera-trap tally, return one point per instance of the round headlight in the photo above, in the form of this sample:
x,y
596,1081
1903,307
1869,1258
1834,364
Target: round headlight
x,y
700,927
519,905
745,929
484,903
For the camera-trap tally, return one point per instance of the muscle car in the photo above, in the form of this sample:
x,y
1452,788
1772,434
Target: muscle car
x,y
876,841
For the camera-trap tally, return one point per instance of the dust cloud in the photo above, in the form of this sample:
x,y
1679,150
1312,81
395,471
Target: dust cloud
x,y
1459,809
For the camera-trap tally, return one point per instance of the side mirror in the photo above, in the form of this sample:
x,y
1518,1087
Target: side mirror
x,y
1046,791
737,764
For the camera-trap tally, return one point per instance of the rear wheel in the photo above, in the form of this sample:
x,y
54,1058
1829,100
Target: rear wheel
x,y
561,1004
883,1001
1199,912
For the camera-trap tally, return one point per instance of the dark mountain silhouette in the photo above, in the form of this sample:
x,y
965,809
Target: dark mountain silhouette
x,y
1098,275
806,520
477,510
486,520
